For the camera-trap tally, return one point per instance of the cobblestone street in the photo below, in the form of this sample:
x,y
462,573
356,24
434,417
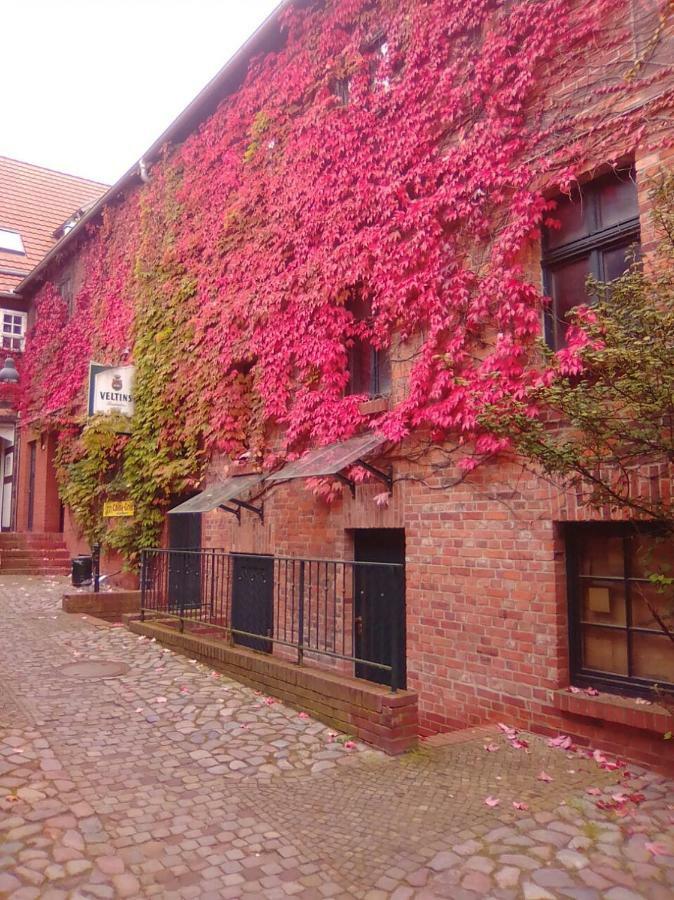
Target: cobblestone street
x,y
165,779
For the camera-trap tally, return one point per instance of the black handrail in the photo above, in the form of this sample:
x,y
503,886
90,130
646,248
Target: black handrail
x,y
282,602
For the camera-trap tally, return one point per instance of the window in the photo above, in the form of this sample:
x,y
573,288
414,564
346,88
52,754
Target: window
x,y
11,241
599,225
341,88
616,639
369,367
13,329
66,289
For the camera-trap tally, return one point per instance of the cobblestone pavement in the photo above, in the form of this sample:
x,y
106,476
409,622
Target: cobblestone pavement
x,y
167,780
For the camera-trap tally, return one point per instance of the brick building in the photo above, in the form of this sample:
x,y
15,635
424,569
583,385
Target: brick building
x,y
37,207
512,590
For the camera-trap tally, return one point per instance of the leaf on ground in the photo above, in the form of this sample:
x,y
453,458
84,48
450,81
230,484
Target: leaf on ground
x,y
519,805
491,748
543,776
492,801
657,849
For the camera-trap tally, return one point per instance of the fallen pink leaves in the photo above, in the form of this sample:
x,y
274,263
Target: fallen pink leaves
x,y
658,848
492,801
562,741
620,803
491,748
543,776
511,734
519,805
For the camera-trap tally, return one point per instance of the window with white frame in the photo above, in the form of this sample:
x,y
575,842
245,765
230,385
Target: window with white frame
x,y
13,329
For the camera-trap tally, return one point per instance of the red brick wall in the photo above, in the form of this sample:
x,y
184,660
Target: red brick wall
x,y
485,592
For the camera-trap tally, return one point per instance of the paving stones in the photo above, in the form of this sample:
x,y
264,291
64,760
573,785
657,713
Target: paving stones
x,y
170,782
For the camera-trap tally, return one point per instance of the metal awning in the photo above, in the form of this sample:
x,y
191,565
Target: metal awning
x,y
333,459
218,495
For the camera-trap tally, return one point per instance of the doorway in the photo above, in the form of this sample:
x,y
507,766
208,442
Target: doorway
x,y
253,600
32,460
184,575
379,603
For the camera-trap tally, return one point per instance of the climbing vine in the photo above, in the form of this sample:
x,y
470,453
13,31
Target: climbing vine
x,y
394,149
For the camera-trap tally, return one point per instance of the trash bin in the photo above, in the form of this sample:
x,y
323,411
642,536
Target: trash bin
x,y
81,570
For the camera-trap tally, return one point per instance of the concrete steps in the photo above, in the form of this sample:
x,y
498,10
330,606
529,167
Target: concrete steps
x,y
33,554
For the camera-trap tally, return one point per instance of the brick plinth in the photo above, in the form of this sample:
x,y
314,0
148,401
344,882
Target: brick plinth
x,y
107,605
370,712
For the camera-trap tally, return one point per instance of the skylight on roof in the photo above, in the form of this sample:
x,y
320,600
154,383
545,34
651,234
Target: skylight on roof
x,y
11,241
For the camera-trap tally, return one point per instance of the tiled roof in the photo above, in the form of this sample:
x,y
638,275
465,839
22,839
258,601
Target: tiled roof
x,y
35,202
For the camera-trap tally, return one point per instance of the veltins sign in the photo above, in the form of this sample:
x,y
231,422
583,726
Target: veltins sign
x,y
111,389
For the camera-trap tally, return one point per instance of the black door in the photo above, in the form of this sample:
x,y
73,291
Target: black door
x,y
184,576
379,603
32,454
253,600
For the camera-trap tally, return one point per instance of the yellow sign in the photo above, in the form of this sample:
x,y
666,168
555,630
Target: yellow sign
x,y
113,509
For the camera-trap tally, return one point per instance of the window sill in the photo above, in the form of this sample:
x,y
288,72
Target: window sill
x,y
375,405
612,708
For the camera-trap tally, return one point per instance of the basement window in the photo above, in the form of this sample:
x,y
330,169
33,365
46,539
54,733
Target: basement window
x,y
11,241
617,612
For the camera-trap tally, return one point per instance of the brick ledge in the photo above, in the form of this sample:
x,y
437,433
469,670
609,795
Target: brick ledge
x,y
369,711
613,708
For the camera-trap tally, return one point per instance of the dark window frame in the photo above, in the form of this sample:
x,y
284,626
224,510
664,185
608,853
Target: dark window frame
x,y
378,359
66,288
632,685
598,240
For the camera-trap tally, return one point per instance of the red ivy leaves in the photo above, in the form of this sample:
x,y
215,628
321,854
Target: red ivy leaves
x,y
422,192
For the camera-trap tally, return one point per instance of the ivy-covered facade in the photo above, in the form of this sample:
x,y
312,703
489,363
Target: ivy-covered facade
x,y
363,226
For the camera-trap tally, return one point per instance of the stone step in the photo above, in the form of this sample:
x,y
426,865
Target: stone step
x,y
37,570
32,562
10,540
34,552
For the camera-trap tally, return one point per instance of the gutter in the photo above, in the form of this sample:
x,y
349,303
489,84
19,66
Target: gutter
x,y
226,81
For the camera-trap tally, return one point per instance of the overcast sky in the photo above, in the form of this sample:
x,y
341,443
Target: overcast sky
x,y
88,85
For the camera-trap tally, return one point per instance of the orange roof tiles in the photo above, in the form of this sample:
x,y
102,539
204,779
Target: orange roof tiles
x,y
35,202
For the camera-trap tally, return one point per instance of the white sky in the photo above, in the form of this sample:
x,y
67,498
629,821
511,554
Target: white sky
x,y
88,85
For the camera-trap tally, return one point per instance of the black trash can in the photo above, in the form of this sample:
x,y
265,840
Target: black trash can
x,y
81,570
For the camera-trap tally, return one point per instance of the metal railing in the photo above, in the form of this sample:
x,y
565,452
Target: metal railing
x,y
306,609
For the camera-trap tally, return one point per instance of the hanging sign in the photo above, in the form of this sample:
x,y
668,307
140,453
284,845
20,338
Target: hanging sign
x,y
111,389
116,509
